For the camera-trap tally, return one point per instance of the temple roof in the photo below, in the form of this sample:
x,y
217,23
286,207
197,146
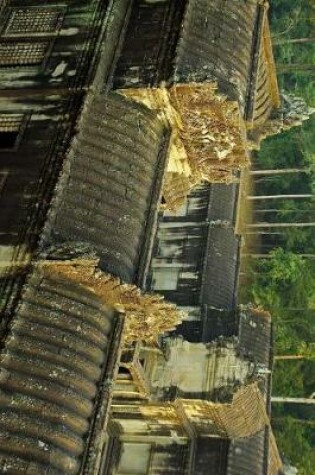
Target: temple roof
x,y
247,456
220,268
216,43
223,200
221,256
256,455
109,184
250,456
203,41
59,349
255,336
242,417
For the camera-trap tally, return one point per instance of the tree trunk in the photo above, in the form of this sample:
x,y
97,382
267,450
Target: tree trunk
x,y
289,357
277,197
292,400
280,225
285,41
260,233
280,171
301,309
268,256
276,210
295,67
282,420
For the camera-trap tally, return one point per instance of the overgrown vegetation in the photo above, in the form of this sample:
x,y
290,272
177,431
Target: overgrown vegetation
x,y
284,280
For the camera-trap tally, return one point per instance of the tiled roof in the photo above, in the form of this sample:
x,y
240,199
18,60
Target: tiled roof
x,y
222,202
246,456
107,189
55,356
255,336
216,44
220,268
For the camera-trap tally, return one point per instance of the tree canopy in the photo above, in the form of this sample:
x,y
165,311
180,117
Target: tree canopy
x,y
283,281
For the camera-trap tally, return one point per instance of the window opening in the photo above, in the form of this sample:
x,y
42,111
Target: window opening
x,y
10,126
123,370
134,459
142,362
165,278
3,179
22,53
33,20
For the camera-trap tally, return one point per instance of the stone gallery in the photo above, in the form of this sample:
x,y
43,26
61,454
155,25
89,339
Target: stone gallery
x,y
125,127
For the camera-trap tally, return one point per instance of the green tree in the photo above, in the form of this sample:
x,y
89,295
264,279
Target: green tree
x,y
285,280
295,439
284,283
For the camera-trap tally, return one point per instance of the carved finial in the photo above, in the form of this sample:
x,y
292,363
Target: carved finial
x,y
294,110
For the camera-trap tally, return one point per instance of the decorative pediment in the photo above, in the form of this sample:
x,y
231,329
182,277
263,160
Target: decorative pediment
x,y
147,315
208,141
244,416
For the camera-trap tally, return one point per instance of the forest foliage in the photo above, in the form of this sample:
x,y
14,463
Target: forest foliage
x,y
284,281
